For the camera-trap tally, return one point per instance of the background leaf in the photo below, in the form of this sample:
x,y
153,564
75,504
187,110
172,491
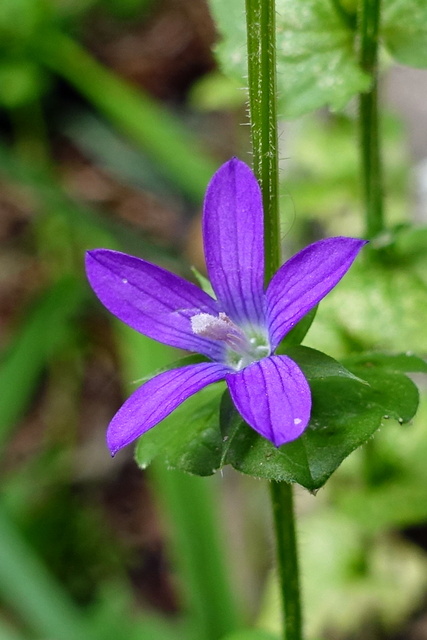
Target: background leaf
x,y
316,60
404,30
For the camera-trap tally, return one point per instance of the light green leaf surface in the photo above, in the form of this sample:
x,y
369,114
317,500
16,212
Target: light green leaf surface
x,y
404,30
316,59
375,307
398,498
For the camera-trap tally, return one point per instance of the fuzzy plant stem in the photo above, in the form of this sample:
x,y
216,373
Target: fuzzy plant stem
x,y
369,20
260,18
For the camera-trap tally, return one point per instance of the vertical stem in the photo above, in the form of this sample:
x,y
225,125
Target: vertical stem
x,y
369,20
261,38
284,521
261,27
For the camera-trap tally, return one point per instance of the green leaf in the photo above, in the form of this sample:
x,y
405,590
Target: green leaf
x,y
401,362
162,136
376,306
316,59
189,439
345,414
316,364
404,30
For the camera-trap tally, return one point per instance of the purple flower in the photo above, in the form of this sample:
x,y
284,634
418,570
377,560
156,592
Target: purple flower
x,y
238,331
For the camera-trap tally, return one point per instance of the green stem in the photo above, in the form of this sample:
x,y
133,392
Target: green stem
x,y
261,27
284,523
369,20
260,18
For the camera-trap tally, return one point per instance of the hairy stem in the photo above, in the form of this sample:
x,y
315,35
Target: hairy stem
x,y
261,26
369,20
260,16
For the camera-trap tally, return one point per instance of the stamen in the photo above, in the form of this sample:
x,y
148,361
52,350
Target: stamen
x,y
219,328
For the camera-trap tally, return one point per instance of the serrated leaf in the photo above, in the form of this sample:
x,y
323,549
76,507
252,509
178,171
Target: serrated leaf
x,y
189,439
316,59
404,30
349,404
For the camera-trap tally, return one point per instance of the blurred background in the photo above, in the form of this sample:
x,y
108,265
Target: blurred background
x,y
113,117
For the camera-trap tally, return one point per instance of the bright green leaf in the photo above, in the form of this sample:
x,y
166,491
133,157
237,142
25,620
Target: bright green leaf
x,y
375,307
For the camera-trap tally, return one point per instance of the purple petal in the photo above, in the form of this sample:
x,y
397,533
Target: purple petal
x,y
274,398
305,279
233,240
157,398
153,301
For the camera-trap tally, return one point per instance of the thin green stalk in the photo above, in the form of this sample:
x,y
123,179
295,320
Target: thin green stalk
x,y
261,27
369,20
260,17
284,522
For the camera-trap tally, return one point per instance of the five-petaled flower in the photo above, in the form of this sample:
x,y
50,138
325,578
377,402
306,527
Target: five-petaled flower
x,y
239,331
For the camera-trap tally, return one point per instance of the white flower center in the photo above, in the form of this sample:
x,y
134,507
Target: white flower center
x,y
244,347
